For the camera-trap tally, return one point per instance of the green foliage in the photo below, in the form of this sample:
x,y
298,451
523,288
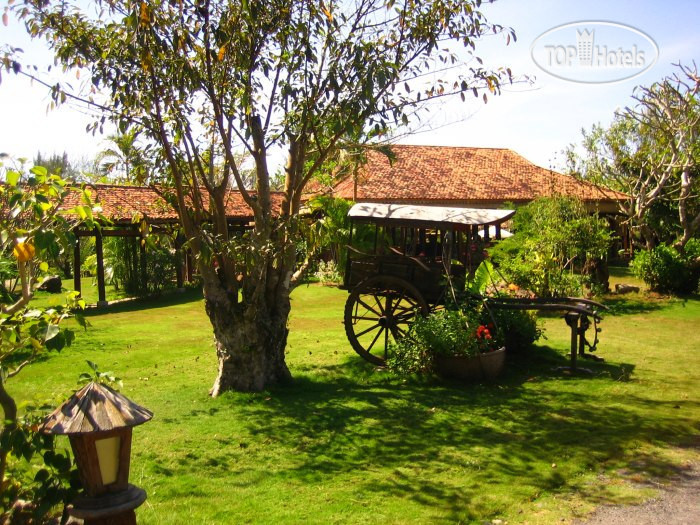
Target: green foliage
x,y
33,230
104,378
665,270
123,266
124,161
39,471
483,277
651,152
553,237
327,272
519,328
331,232
58,164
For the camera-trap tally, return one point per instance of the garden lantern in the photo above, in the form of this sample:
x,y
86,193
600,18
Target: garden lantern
x,y
99,421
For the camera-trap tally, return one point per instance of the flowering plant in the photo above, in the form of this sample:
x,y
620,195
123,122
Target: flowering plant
x,y
447,333
485,340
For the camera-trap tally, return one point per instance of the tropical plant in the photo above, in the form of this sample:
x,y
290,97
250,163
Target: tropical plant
x,y
327,272
519,328
124,161
666,270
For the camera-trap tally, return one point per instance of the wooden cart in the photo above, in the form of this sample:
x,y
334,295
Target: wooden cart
x,y
412,252
401,258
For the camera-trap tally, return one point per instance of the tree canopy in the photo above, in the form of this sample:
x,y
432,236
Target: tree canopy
x,y
651,151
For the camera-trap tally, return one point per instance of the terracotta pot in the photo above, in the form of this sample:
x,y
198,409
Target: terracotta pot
x,y
483,366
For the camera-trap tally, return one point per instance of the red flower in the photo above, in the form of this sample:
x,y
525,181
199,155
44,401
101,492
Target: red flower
x,y
483,333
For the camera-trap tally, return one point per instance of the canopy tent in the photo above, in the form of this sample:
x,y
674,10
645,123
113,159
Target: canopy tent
x,y
427,216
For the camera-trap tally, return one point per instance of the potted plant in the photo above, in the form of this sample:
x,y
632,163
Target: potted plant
x,y
451,343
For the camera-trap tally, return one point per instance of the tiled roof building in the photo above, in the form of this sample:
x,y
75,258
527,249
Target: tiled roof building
x,y
477,177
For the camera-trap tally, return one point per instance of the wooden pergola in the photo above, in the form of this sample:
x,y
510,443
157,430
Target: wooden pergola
x,y
134,212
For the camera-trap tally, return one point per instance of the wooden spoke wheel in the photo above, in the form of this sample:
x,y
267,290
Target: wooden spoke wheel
x,y
379,311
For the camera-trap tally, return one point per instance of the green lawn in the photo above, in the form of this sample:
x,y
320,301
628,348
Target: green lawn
x,y
349,444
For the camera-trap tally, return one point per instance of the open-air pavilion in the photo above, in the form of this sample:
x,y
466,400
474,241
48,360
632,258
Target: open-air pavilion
x,y
137,211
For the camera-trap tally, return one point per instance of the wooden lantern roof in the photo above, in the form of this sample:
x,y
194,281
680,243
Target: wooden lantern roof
x,y
95,408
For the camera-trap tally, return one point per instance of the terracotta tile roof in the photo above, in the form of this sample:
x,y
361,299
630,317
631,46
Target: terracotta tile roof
x,y
438,173
122,203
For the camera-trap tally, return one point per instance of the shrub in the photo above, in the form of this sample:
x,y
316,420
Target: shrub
x,y
327,272
519,328
41,477
123,264
554,237
665,270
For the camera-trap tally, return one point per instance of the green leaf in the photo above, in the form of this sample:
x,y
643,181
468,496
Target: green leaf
x,y
52,331
44,240
44,266
42,476
39,170
12,178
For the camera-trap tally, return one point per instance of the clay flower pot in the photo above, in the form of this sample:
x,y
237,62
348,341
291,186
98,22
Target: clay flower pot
x,y
482,366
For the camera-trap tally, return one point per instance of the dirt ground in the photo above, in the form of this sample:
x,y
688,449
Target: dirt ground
x,y
677,504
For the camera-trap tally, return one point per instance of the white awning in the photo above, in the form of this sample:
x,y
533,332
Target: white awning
x,y
381,212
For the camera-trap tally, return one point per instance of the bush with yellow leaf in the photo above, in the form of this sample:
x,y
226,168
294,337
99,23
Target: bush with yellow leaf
x,y
33,229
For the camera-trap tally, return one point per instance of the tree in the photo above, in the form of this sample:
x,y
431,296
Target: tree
x,y
207,80
124,161
33,232
58,164
652,152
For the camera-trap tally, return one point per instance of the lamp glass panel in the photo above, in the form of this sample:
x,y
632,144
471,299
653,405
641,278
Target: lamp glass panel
x,y
108,456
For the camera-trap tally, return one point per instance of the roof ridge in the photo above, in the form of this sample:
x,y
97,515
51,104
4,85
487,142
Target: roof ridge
x,y
451,147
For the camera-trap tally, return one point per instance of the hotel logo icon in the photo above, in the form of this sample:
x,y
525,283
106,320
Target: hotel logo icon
x,y
584,46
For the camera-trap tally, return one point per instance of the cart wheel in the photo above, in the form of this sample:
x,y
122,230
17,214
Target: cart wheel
x,y
379,311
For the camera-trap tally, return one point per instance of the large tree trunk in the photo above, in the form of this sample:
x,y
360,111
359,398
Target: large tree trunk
x,y
250,341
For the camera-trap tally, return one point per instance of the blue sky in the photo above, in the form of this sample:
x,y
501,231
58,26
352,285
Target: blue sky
x,y
537,120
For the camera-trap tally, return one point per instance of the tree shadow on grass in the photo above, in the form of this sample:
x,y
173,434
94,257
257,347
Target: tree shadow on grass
x,y
171,298
632,305
447,445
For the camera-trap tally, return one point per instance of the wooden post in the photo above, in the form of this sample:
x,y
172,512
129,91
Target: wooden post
x,y
487,237
179,267
498,231
144,275
76,266
189,268
101,294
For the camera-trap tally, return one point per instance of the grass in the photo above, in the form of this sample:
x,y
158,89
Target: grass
x,y
346,443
